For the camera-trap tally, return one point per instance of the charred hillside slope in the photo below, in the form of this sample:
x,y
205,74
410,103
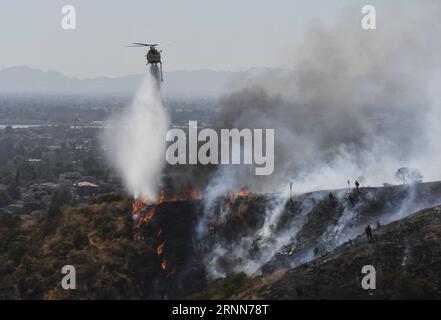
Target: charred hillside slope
x,y
405,253
289,232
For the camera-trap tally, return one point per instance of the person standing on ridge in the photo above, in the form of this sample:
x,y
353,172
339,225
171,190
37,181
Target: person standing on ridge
x,y
369,233
357,184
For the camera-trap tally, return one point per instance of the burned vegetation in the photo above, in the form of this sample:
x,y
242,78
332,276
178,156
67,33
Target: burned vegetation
x,y
239,245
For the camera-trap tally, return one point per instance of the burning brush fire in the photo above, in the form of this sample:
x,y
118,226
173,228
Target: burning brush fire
x,y
231,197
143,212
143,204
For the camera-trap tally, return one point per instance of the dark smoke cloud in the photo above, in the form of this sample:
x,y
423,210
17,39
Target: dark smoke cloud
x,y
353,101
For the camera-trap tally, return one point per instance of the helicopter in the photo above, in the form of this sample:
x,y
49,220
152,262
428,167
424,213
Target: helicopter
x,y
153,56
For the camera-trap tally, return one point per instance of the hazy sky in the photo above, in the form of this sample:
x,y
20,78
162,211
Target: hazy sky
x,y
205,34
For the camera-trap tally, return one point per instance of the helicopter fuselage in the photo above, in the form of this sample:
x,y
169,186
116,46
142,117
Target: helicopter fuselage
x,y
153,56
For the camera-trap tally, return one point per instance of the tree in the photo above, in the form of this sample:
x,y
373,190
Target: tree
x,y
61,197
13,191
6,149
91,167
408,175
5,199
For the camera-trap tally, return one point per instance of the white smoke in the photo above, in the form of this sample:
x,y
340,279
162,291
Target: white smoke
x,y
135,145
350,103
354,104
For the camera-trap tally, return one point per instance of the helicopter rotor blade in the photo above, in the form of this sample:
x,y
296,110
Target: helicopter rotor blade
x,y
145,44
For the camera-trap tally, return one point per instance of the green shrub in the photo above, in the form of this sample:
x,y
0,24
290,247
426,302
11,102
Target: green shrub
x,y
222,288
107,198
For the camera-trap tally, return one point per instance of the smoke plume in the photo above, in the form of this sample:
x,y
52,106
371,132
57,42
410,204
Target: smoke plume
x,y
351,104
135,141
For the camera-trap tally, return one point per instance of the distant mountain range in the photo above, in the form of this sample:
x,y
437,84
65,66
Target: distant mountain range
x,y
201,83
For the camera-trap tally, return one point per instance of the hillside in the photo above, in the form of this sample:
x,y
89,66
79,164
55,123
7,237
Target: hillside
x,y
405,253
265,233
97,240
243,246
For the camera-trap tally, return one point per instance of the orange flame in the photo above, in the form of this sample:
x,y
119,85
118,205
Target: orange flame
x,y
162,197
160,249
147,218
144,206
244,193
164,265
231,197
139,205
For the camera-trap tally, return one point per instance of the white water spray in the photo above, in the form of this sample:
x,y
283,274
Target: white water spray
x,y
135,146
